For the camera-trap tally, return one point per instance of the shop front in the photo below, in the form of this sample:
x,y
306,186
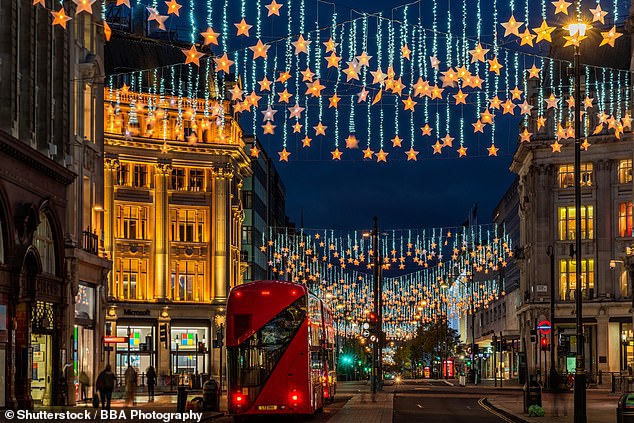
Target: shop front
x,y
190,352
139,350
84,348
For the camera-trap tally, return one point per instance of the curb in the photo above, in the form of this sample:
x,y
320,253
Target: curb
x,y
503,412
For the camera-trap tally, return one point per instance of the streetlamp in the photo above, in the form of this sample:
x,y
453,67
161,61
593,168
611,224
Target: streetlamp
x,y
577,33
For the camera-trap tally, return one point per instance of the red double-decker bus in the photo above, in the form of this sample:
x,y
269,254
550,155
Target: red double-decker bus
x,y
280,350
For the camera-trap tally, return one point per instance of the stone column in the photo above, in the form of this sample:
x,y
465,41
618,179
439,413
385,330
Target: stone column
x,y
221,234
111,167
602,228
602,341
161,228
164,362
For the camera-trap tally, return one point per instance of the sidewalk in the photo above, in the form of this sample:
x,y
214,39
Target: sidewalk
x,y
600,406
367,408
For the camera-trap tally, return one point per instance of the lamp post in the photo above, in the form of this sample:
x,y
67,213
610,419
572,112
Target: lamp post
x,y
577,33
552,378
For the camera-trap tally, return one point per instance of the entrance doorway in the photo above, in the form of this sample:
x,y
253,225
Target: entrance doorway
x,y
42,369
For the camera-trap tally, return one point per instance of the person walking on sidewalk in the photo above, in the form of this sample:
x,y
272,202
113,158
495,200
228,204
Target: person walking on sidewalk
x,y
105,385
560,398
130,386
150,373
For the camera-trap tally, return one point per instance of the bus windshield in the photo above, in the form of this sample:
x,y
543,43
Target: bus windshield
x,y
251,363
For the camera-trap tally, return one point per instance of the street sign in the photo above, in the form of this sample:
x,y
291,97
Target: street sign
x,y
544,327
366,333
115,339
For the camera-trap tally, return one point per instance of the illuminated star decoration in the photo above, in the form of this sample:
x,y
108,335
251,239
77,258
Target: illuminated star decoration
x,y
320,129
477,55
107,32
173,7
336,155
274,8
556,147
284,155
60,18
269,128
406,52
381,156
609,37
411,154
352,142
83,6
598,15
544,32
120,2
330,45
462,151
437,147
255,152
223,63
493,151
306,141
269,114
495,66
41,3
259,50
192,55
561,6
512,27
397,141
301,45
243,28
533,72
210,36
296,111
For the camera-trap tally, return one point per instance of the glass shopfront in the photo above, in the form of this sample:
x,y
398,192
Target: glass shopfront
x,y
138,352
627,347
83,341
189,350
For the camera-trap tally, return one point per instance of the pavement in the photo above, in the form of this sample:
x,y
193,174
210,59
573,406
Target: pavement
x,y
367,408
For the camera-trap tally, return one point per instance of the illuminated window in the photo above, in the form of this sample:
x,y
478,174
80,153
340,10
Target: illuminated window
x,y
625,171
625,219
131,278
122,174
188,225
566,216
132,222
43,240
187,280
567,279
178,178
196,179
567,175
140,176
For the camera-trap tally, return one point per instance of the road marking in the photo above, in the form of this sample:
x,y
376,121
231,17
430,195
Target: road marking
x,y
419,406
492,411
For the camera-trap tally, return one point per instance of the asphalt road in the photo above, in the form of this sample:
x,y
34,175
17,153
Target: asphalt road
x,y
423,404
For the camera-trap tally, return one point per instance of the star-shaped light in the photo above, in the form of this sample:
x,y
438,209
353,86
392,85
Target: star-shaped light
x,y
447,141
552,102
486,116
274,8
83,6
334,101
297,128
598,15
253,98
368,153
516,93
627,121
320,129
378,97
493,151
107,32
525,136
314,88
265,84
556,147
477,54
585,144
436,92
306,141
495,66
588,102
561,6
173,8
269,128
541,122
434,62
296,111
333,60
223,63
525,108
243,28
411,154
362,95
352,142
259,50
437,147
409,103
269,114
461,98
512,27
571,102
160,20
381,156
236,93
60,18
462,151
352,72
336,155
119,3
426,130
284,96
527,38
406,52
210,36
153,13
43,4
544,32
307,75
478,126
378,76
301,45
192,55
495,103
363,59
533,72
284,155
610,36
284,76
330,45
397,141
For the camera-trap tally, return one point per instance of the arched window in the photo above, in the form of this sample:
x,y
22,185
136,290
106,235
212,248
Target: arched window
x,y
43,241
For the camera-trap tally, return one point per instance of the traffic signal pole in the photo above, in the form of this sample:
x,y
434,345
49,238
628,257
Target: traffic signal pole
x,y
378,302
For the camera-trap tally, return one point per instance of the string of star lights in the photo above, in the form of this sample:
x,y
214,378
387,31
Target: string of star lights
x,y
420,268
461,89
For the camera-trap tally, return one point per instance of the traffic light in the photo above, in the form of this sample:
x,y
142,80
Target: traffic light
x,y
544,344
201,347
494,342
163,337
373,320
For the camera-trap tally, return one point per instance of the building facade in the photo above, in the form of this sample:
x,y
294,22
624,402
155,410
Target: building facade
x,y
49,185
173,226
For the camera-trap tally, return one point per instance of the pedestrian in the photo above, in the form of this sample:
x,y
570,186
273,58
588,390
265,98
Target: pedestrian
x,y
130,386
105,385
84,383
560,397
150,374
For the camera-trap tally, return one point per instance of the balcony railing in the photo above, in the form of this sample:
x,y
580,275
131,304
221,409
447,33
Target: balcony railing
x,y
90,242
